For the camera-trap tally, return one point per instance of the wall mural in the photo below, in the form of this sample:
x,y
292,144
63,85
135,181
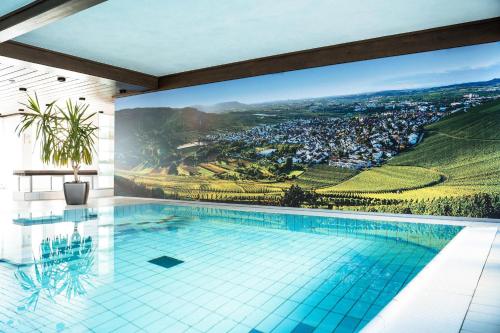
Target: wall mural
x,y
414,134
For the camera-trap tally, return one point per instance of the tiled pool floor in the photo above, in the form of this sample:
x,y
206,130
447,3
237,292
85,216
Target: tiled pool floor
x,y
235,277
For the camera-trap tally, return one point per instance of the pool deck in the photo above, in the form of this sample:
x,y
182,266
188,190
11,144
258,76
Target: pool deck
x,y
483,315
457,292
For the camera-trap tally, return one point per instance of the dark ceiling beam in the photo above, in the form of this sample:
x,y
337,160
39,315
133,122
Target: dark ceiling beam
x,y
39,13
470,33
50,58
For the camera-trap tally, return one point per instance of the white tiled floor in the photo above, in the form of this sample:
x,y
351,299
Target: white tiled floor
x,y
484,311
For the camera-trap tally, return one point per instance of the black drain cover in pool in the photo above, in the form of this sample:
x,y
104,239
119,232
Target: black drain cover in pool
x,y
303,328
166,262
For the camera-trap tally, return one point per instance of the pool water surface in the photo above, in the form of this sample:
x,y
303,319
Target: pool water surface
x,y
168,268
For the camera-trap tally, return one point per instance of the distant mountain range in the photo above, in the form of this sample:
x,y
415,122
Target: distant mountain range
x,y
234,106
222,107
473,84
492,82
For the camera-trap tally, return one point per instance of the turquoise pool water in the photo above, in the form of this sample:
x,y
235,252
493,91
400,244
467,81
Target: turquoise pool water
x,y
166,268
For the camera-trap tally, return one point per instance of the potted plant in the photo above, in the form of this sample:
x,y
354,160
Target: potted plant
x,y
66,136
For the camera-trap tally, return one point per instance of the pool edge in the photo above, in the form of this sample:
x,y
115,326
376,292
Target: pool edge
x,y
429,219
410,218
437,299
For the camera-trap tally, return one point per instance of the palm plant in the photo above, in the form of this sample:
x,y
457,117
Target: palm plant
x,y
66,135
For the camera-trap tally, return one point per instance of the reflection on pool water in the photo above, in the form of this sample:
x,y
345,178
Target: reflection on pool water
x,y
64,267
166,268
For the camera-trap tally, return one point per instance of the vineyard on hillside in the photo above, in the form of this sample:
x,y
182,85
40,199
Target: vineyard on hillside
x,y
464,149
388,179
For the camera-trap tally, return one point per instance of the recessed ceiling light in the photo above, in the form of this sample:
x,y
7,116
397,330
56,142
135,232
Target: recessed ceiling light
x,y
23,89
61,79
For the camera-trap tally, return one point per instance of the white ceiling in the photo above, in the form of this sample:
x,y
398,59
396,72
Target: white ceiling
x,y
7,6
161,37
43,80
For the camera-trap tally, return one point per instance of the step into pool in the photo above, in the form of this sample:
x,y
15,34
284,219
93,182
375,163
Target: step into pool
x,y
179,268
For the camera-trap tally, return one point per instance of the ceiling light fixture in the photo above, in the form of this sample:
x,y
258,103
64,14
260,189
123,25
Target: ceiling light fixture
x,y
81,98
23,89
61,79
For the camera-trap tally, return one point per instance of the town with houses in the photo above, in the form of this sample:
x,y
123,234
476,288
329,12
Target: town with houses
x,y
358,141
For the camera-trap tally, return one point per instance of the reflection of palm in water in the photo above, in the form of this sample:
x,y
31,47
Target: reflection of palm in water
x,y
64,267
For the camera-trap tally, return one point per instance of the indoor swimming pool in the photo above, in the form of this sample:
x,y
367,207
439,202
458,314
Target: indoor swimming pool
x,y
180,268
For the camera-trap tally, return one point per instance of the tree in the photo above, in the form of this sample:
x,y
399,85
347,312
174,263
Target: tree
x,y
293,197
157,192
288,165
172,169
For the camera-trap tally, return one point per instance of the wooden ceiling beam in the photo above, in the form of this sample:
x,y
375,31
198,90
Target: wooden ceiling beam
x,y
39,13
124,77
470,33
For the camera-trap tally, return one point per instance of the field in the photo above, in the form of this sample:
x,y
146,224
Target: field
x,y
206,186
458,158
387,179
322,176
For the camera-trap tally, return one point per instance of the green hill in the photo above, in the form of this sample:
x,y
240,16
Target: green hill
x,y
149,137
459,155
465,147
145,135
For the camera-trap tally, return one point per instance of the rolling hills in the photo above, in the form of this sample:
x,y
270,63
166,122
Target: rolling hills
x,y
450,172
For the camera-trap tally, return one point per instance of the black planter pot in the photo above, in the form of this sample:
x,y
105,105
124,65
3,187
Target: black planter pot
x,y
76,193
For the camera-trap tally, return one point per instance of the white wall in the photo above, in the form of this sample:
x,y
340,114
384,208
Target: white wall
x,y
11,152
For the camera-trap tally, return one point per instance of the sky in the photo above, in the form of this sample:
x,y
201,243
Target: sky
x,y
427,69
